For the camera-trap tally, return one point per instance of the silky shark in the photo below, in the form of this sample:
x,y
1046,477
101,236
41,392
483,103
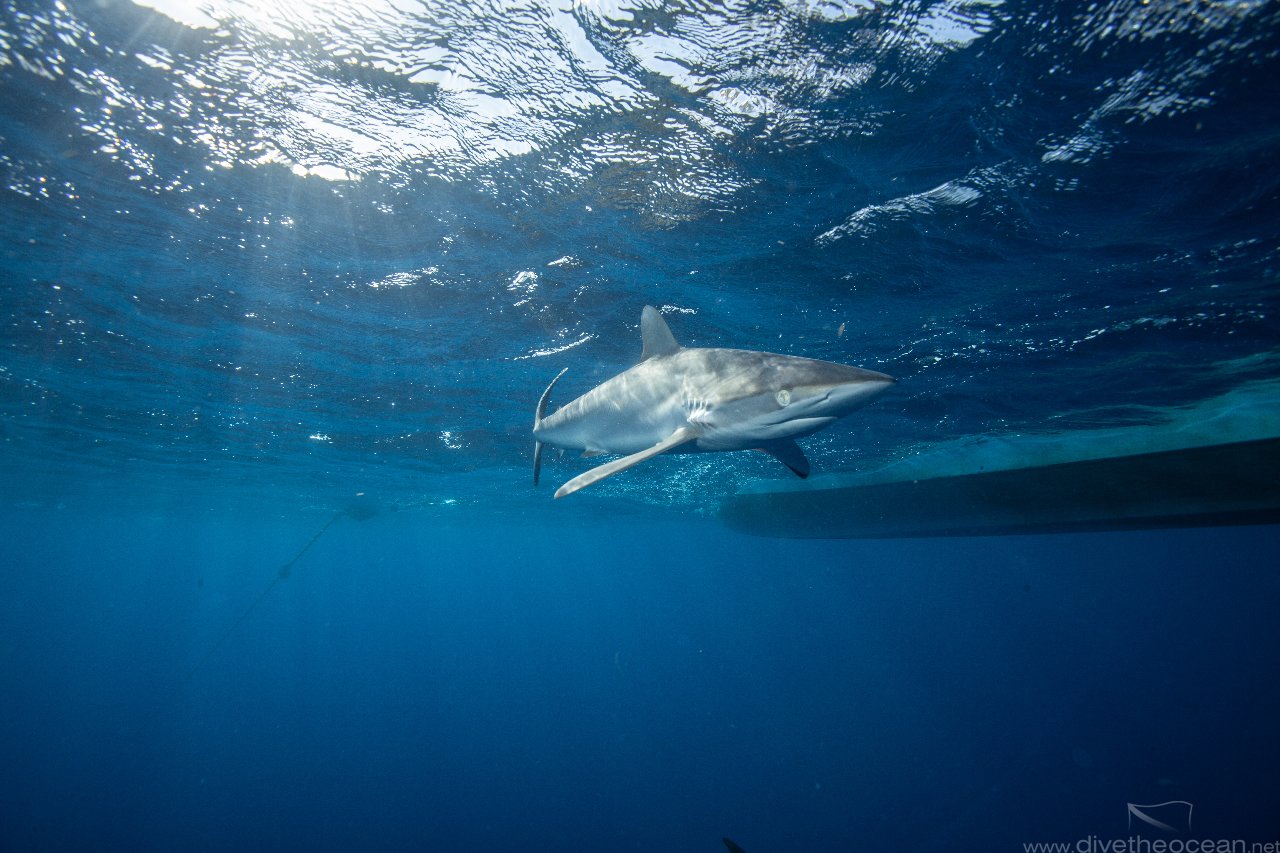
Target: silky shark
x,y
694,399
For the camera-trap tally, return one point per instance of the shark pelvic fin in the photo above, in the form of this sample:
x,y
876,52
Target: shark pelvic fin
x,y
788,453
655,334
537,419
683,435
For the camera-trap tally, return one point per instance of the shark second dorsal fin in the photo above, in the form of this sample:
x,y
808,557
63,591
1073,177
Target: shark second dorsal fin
x,y
655,334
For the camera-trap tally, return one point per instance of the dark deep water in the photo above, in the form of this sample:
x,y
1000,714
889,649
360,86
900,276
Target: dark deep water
x,y
628,686
260,257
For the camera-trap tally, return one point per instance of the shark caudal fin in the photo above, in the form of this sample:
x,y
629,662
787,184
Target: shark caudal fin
x,y
537,419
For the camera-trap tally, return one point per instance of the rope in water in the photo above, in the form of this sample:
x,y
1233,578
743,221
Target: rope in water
x,y
284,573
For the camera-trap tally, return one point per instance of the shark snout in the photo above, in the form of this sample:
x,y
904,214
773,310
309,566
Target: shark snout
x,y
841,398
800,410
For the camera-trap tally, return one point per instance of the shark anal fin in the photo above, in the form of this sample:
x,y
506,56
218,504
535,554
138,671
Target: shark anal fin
x,y
787,452
683,435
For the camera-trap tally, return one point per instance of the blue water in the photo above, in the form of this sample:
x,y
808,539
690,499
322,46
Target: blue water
x,y
259,258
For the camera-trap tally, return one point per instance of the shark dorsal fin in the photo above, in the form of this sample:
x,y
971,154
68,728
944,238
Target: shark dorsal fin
x,y
655,334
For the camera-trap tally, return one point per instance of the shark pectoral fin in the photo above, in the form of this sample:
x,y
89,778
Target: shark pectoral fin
x,y
788,453
681,436
587,454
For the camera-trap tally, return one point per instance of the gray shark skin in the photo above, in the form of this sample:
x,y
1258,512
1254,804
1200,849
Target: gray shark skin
x,y
694,399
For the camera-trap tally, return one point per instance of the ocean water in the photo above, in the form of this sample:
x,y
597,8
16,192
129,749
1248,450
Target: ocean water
x,y
262,258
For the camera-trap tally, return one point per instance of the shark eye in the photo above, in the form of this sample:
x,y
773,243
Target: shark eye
x,y
783,397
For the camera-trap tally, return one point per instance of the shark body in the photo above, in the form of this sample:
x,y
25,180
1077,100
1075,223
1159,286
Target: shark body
x,y
695,399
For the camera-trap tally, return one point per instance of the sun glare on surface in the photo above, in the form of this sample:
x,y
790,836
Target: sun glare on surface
x,y
274,17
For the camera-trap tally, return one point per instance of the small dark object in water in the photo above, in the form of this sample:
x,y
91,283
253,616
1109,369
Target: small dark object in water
x,y
733,848
361,507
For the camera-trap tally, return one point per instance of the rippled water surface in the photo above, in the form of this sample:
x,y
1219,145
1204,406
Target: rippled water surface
x,y
256,257
316,245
